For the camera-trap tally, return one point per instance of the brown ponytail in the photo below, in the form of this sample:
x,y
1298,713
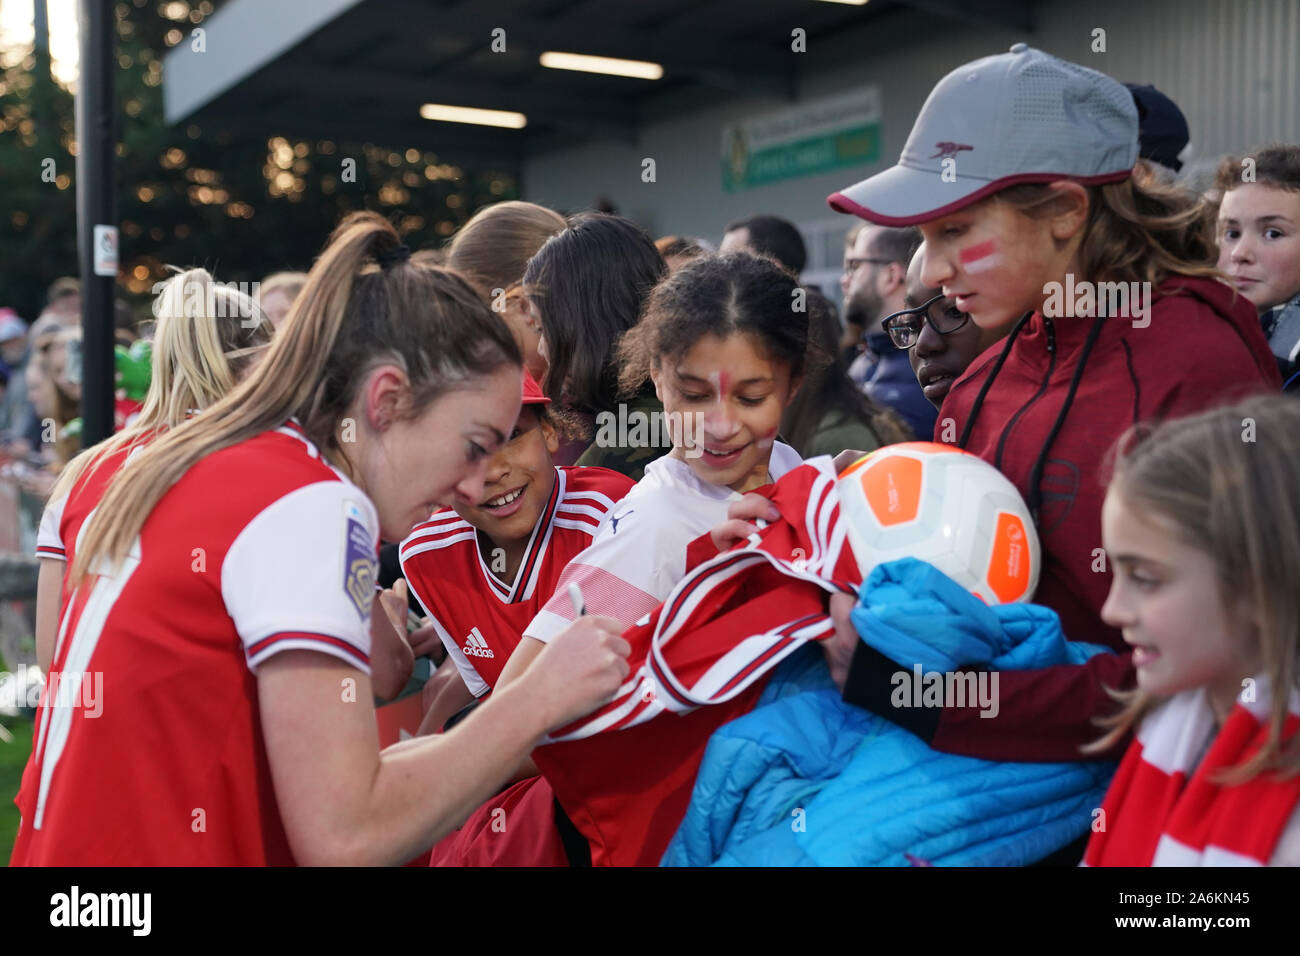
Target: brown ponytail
x,y
1138,230
493,248
350,316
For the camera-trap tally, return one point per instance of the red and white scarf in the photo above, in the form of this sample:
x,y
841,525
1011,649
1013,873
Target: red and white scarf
x,y
1164,809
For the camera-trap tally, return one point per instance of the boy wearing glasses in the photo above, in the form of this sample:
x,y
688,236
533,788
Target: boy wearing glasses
x,y
939,339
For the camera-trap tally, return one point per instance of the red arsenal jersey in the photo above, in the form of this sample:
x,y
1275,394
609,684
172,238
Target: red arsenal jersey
x,y
62,520
150,748
479,616
624,773
60,529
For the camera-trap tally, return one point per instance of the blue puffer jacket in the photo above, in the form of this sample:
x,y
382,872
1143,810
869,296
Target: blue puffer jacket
x,y
806,779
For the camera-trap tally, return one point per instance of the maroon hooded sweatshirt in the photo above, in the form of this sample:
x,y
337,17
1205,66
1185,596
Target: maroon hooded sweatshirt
x,y
1203,347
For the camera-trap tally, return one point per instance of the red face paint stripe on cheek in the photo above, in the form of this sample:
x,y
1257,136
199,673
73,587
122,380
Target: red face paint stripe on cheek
x,y
978,251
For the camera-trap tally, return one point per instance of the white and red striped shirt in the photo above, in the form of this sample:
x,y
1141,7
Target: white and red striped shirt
x,y
258,548
479,616
640,554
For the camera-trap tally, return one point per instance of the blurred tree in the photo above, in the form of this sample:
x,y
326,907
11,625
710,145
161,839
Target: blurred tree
x,y
193,195
38,239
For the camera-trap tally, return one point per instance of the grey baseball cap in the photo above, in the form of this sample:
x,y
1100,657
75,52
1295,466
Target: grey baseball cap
x,y
1019,117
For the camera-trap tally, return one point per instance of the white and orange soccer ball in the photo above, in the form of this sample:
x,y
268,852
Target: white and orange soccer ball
x,y
945,506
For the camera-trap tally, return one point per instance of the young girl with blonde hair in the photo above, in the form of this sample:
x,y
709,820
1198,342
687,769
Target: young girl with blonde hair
x,y
1202,526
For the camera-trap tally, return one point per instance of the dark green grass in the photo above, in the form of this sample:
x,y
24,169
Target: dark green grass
x,y
13,757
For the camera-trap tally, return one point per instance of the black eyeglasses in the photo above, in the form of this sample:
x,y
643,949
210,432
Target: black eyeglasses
x,y
853,264
904,327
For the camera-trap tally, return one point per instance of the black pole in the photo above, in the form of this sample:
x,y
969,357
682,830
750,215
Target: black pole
x,y
45,131
96,217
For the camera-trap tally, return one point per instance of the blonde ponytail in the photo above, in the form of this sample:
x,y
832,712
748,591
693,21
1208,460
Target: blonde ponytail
x,y
350,316
205,339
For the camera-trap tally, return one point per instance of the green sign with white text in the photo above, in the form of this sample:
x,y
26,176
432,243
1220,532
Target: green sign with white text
x,y
814,138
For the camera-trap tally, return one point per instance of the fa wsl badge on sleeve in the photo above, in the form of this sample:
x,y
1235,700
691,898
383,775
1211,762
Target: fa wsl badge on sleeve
x,y
358,561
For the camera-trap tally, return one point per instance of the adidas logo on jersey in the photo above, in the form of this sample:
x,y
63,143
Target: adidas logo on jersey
x,y
475,646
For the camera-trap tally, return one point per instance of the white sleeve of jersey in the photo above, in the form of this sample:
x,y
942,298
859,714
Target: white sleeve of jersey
x,y
301,575
49,544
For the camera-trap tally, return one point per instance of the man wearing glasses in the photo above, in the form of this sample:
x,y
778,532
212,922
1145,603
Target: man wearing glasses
x,y
875,285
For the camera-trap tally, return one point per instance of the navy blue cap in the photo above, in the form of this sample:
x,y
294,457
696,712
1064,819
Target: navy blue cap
x,y
1162,127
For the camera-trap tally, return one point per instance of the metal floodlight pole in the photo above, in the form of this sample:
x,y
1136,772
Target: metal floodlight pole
x,y
45,131
96,217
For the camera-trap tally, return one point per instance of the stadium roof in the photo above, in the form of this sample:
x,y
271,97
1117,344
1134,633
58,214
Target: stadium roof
x,y
361,69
